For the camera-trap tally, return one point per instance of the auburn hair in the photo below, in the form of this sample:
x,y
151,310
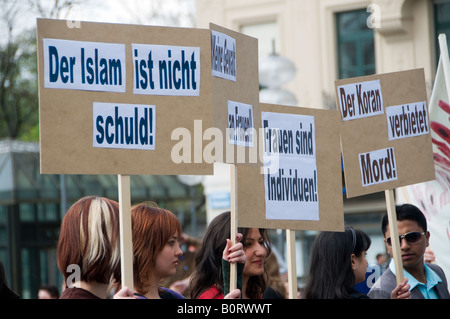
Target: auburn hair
x,y
89,238
152,228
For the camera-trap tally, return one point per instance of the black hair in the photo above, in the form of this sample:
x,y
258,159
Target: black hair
x,y
406,212
209,259
331,275
52,290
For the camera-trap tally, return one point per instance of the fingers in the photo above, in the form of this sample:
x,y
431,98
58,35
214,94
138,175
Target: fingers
x,y
402,290
124,293
234,294
227,250
234,253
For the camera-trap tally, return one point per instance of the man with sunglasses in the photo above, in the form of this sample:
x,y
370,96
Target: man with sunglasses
x,y
426,280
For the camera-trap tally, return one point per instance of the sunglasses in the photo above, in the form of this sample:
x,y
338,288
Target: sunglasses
x,y
411,238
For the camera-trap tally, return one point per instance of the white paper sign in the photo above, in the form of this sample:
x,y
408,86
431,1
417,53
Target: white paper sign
x,y
223,56
407,120
359,100
290,190
166,70
240,124
78,65
378,166
124,126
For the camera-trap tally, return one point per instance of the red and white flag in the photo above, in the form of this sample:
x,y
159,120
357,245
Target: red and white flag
x,y
433,197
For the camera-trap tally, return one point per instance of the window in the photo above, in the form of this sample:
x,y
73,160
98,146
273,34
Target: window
x,y
356,55
441,23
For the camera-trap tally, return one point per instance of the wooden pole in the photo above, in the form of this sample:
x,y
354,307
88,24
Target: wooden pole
x,y
291,261
126,243
392,219
445,61
233,221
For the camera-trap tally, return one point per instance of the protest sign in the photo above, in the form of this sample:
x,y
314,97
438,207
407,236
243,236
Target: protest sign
x,y
235,100
384,131
385,138
109,96
291,190
300,185
235,86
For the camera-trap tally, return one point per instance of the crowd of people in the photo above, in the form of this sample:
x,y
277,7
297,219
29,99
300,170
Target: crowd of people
x,y
89,239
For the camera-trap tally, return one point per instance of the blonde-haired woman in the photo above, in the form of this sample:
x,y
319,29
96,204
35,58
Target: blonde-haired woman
x,y
88,253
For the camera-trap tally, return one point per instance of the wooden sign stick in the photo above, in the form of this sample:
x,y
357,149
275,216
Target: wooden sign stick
x,y
291,261
392,219
233,222
126,243
445,65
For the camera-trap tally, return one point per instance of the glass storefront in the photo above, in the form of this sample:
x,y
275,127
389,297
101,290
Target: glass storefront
x,y
32,206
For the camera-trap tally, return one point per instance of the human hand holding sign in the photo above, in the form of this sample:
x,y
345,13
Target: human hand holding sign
x,y
125,293
402,290
234,253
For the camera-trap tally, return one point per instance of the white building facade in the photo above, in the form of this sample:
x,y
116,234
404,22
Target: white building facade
x,y
329,40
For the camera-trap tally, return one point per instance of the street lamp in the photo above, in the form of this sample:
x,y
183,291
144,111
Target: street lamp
x,y
274,71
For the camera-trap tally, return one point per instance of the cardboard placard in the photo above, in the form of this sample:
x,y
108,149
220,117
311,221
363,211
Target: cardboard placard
x,y
235,85
235,101
385,133
318,185
123,99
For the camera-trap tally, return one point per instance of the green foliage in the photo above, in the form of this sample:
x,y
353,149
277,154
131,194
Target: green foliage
x,y
19,107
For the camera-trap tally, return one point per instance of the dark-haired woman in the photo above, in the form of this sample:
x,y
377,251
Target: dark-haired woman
x,y
338,263
210,279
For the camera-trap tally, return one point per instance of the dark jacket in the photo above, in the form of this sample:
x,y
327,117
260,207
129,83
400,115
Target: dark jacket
x,y
6,293
386,283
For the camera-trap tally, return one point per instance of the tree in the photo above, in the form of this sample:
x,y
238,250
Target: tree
x,y
18,80
19,106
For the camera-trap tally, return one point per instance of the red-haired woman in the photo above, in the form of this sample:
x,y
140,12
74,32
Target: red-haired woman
x,y
156,234
88,251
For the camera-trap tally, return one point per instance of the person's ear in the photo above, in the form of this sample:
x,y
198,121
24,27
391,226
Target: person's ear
x,y
353,262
